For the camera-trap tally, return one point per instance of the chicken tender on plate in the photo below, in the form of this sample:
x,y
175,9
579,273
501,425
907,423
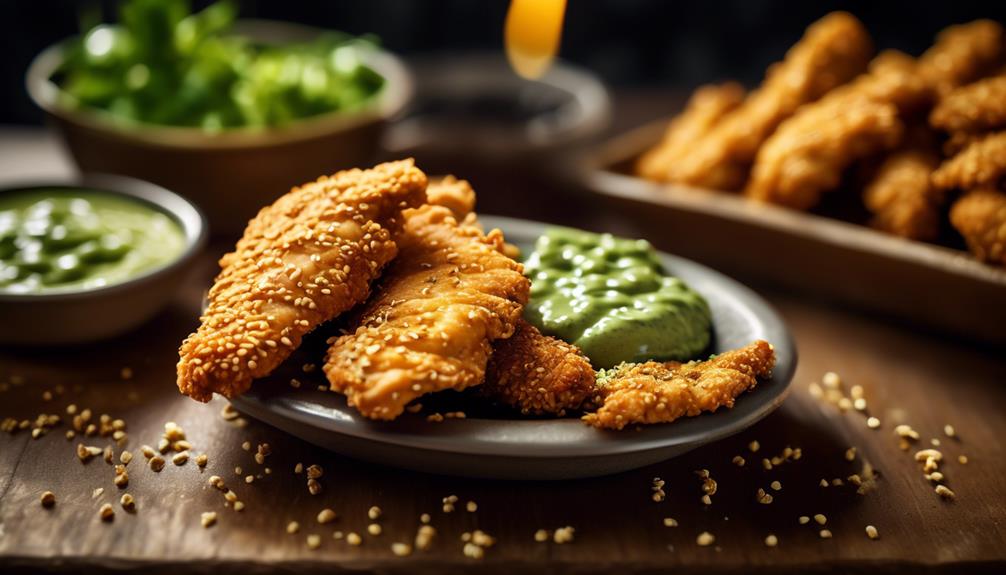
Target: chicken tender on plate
x,y
452,193
981,163
430,325
655,392
962,54
538,374
901,197
303,260
978,107
809,152
833,50
704,109
980,216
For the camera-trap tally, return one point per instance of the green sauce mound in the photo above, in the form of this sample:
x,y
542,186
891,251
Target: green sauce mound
x,y
610,297
73,239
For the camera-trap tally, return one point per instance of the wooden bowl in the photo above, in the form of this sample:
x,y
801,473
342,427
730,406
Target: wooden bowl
x,y
231,174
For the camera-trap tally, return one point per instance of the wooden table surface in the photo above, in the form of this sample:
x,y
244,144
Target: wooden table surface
x,y
908,377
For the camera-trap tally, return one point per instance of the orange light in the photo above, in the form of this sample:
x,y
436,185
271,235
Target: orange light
x,y
531,35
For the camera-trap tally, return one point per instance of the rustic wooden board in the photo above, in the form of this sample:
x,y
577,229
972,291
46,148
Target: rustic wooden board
x,y
908,377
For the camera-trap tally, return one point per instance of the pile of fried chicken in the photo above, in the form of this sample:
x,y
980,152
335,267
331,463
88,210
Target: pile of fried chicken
x,y
930,132
429,301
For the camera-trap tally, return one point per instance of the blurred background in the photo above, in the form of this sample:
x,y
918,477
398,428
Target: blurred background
x,y
630,44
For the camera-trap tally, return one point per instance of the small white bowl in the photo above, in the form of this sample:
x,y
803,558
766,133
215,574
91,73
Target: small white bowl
x,y
99,313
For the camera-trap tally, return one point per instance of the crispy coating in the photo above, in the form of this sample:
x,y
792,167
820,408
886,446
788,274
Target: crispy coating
x,y
809,152
704,109
981,163
303,260
833,50
538,374
978,107
430,325
962,54
453,194
980,216
901,197
655,392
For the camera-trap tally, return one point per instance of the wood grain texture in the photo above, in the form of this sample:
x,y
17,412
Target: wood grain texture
x,y
910,378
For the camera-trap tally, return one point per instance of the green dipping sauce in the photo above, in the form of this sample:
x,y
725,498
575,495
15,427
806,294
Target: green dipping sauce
x,y
611,298
70,239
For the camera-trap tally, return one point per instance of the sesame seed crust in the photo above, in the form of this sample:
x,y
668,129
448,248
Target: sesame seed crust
x,y
303,260
538,374
654,392
430,326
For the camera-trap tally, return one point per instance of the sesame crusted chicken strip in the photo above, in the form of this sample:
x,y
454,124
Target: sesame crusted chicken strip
x,y
978,107
430,326
981,163
833,50
704,109
454,194
538,374
901,197
303,260
962,54
980,216
655,392
810,151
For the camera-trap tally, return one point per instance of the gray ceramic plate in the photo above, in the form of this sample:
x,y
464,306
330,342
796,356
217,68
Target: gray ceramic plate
x,y
506,447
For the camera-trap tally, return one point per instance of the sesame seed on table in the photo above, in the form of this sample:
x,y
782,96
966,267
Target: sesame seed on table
x,y
901,504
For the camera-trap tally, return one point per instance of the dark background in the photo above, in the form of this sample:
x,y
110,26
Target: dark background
x,y
628,42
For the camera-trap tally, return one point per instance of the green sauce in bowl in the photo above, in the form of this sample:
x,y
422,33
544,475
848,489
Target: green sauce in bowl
x,y
69,239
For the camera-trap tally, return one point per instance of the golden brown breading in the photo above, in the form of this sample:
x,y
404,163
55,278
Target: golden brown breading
x,y
958,141
833,50
704,109
538,374
977,107
980,216
303,260
453,194
980,163
655,392
430,325
903,200
809,152
962,54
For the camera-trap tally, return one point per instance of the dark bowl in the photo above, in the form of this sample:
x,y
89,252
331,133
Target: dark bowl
x,y
99,313
230,174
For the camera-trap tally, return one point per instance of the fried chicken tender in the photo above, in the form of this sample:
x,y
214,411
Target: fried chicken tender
x,y
962,54
981,163
655,392
538,374
303,260
430,325
980,216
809,152
704,109
452,193
901,197
978,107
833,50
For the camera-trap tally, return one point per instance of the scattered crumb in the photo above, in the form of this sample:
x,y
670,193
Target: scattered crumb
x,y
872,532
771,540
706,538
48,499
208,519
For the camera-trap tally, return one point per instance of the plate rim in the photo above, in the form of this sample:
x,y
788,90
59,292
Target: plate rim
x,y
686,431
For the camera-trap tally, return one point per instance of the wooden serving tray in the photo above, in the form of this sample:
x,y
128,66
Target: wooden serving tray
x,y
926,284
